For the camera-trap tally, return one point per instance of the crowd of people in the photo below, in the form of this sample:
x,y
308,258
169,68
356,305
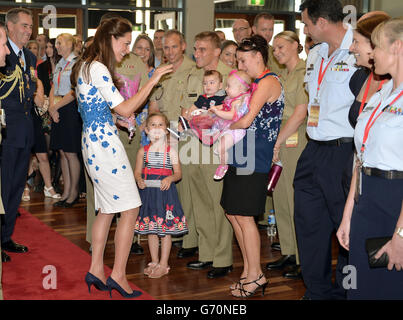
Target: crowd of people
x,y
181,147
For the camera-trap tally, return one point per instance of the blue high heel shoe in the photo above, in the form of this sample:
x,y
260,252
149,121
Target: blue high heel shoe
x,y
112,284
92,280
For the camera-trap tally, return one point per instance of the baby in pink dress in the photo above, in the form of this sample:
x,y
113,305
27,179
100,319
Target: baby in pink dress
x,y
239,91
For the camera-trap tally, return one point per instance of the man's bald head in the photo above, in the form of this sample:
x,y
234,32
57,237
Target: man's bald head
x,y
241,30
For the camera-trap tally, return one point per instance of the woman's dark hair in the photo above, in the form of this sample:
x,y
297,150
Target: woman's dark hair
x,y
255,43
101,49
227,43
55,56
367,26
330,10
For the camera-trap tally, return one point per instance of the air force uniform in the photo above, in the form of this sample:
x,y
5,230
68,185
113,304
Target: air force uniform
x,y
380,191
323,171
16,96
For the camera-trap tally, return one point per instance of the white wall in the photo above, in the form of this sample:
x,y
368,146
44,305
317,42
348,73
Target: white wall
x,y
393,7
199,17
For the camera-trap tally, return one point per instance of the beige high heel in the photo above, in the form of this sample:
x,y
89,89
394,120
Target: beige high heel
x,y
24,196
48,194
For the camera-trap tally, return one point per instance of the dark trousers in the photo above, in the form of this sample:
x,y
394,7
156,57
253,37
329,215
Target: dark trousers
x,y
14,170
321,186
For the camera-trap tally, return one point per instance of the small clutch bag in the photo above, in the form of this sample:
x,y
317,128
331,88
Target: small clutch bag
x,y
373,245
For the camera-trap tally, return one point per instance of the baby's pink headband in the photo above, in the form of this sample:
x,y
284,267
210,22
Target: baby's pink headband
x,y
233,73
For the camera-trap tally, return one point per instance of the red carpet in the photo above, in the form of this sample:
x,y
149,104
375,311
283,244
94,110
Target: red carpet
x,y
24,278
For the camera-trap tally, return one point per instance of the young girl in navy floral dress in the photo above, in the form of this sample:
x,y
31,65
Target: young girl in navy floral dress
x,y
161,215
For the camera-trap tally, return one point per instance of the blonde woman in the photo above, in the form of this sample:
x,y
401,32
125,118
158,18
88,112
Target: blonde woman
x,y
66,126
374,205
289,146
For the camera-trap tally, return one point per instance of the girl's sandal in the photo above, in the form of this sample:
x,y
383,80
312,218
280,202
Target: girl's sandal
x,y
150,268
159,271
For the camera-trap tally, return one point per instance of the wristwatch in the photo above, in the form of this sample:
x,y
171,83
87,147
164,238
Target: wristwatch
x,y
399,232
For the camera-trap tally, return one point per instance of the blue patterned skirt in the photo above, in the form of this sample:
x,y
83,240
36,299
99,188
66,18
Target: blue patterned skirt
x,y
161,213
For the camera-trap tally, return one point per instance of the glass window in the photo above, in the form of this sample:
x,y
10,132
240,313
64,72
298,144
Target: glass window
x,y
255,5
54,2
139,3
144,21
225,25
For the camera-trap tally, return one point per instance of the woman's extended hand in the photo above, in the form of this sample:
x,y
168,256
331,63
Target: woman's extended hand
x,y
394,250
160,71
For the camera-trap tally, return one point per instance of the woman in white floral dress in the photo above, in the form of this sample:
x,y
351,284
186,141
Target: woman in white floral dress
x,y
104,155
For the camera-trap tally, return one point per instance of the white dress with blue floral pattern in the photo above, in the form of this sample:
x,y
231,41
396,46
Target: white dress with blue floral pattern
x,y
104,156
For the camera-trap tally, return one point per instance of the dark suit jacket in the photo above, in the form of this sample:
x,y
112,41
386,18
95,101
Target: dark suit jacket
x,y
19,128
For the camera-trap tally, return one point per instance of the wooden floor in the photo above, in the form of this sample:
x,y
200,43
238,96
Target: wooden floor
x,y
181,283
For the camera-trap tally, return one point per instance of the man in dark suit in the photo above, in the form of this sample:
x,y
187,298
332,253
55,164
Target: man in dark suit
x,y
16,97
4,51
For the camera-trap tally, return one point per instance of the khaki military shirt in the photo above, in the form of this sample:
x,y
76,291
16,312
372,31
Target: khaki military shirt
x,y
195,82
294,89
273,64
133,68
170,93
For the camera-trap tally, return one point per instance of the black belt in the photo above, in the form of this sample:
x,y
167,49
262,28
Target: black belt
x,y
391,174
335,142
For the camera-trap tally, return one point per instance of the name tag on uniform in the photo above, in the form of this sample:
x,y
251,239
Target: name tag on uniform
x,y
192,95
292,141
313,119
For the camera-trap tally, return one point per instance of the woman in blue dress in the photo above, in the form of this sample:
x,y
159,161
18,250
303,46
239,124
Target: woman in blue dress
x,y
245,184
104,156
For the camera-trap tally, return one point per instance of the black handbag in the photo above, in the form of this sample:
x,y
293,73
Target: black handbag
x,y
373,245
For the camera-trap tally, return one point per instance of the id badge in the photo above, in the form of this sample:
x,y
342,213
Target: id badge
x,y
56,99
313,119
292,141
358,182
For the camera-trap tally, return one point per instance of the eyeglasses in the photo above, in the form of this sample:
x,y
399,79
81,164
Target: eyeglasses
x,y
239,29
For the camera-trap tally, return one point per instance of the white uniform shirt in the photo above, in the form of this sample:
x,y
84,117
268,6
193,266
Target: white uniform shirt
x,y
384,146
63,69
334,96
